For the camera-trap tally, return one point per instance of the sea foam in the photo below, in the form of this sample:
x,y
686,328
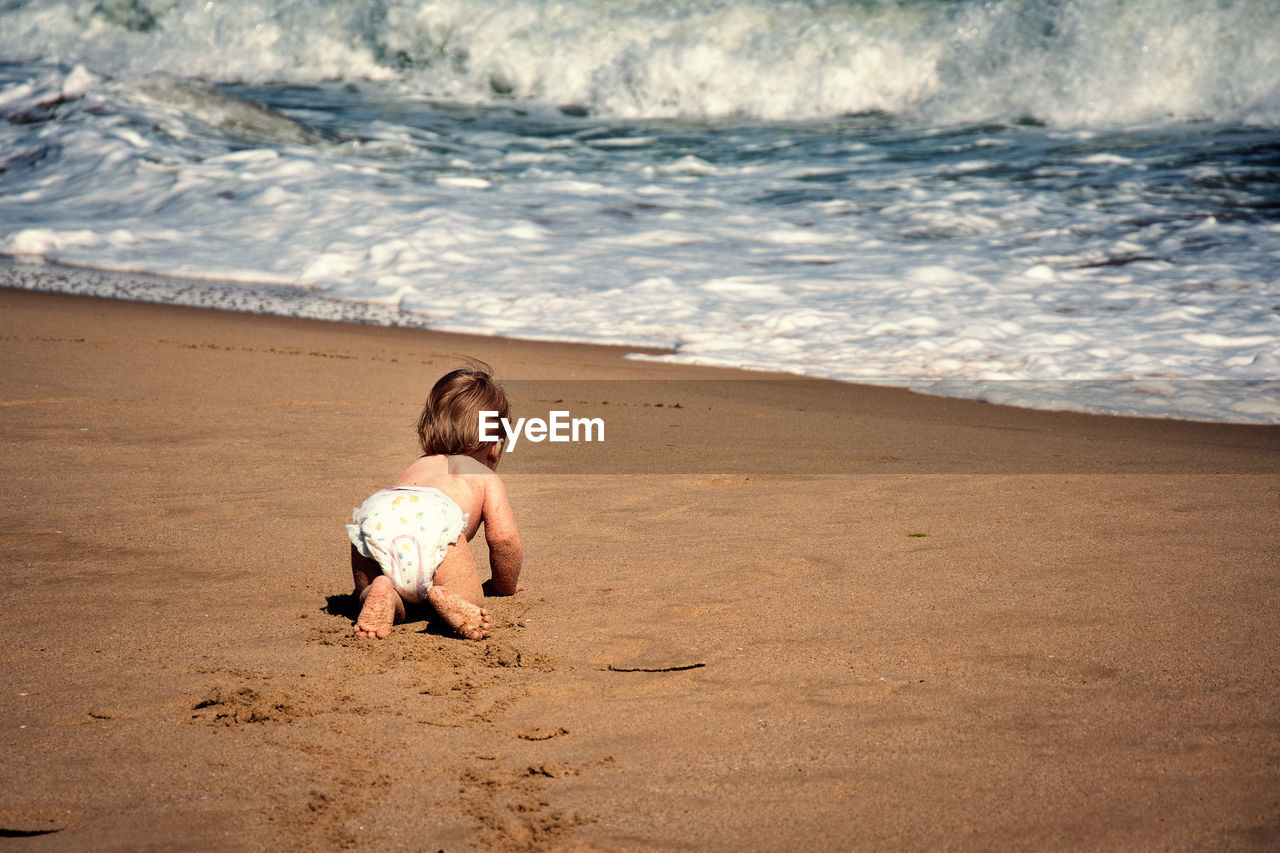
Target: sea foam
x,y
947,195
1088,62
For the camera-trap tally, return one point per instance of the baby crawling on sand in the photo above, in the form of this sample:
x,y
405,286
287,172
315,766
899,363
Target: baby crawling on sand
x,y
409,542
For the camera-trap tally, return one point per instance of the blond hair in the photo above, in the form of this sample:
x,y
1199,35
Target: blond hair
x,y
450,419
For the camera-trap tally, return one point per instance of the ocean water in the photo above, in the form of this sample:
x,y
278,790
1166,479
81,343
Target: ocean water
x,y
1058,203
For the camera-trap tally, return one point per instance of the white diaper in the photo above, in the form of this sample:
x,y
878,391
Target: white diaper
x,y
408,530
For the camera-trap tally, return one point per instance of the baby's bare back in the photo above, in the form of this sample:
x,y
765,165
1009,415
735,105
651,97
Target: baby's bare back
x,y
462,478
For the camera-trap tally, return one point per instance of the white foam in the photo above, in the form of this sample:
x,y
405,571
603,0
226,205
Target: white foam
x,y
1218,341
1093,62
464,182
920,272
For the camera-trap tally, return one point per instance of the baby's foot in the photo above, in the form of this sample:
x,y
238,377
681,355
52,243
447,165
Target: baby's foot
x,y
379,611
464,617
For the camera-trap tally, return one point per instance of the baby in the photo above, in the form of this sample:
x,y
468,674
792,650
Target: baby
x,y
409,542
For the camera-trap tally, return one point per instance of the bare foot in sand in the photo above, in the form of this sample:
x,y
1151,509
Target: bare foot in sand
x,y
464,617
381,608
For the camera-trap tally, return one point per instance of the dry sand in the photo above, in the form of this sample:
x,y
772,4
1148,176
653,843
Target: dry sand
x,y
748,649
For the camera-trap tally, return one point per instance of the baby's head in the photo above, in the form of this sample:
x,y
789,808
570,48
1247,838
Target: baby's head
x,y
450,421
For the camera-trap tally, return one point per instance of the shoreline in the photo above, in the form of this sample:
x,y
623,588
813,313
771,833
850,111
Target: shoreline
x,y
287,301
956,435
851,616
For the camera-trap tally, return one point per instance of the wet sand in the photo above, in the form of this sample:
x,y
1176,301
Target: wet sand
x,y
832,617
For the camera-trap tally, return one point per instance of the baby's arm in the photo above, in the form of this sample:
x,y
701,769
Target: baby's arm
x,y
506,554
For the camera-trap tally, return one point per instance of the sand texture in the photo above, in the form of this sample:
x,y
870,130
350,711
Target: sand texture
x,y
766,614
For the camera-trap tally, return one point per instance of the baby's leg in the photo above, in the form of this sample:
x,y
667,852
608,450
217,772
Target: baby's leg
x,y
363,571
381,606
382,609
456,593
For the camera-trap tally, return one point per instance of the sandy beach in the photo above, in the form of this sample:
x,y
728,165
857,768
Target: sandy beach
x,y
765,614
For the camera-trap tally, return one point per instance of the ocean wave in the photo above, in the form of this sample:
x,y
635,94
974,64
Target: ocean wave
x,y
1084,63
846,249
